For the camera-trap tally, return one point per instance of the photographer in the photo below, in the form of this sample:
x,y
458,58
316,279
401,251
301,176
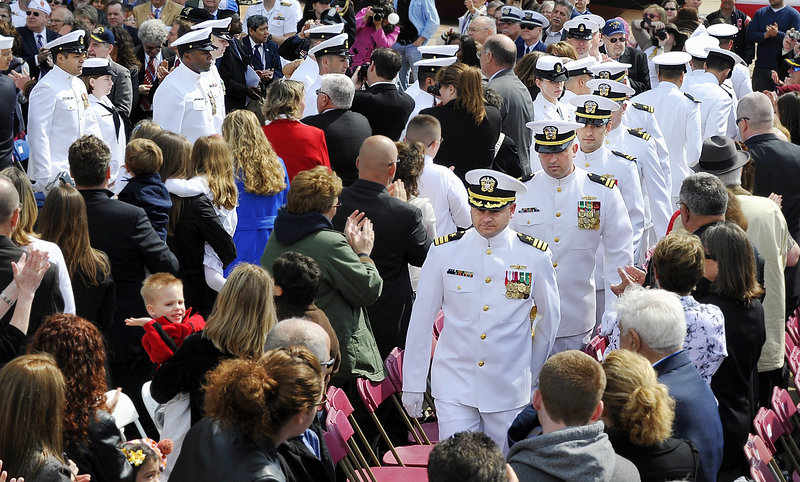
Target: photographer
x,y
375,27
653,19
668,39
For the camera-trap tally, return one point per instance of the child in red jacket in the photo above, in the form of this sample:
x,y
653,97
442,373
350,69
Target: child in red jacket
x,y
171,322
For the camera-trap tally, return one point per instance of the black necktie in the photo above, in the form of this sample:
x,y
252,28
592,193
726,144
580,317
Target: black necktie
x,y
115,115
257,63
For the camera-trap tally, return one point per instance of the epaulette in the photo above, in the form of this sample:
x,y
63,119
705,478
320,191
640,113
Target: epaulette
x,y
286,4
536,243
624,156
689,96
640,133
448,238
526,177
646,108
605,181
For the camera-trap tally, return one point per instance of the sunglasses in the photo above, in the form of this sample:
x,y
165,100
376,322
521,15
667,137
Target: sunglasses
x,y
528,27
35,14
651,16
506,22
670,9
615,40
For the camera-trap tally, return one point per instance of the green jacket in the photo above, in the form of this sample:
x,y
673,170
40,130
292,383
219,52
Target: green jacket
x,y
349,284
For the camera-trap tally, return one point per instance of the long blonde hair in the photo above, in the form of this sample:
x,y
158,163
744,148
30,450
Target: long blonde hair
x,y
244,313
255,161
28,212
212,157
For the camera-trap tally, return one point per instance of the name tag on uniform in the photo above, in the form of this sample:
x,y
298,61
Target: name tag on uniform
x,y
528,210
518,285
459,272
589,214
199,104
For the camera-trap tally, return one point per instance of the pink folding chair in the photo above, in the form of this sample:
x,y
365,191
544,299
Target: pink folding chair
x,y
794,359
373,394
762,465
423,432
770,429
596,348
788,346
438,324
345,452
793,328
785,409
337,399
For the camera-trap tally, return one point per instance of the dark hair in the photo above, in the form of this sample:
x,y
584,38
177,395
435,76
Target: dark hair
x,y
410,162
124,49
718,63
387,62
298,276
736,279
469,51
465,456
89,160
256,21
789,114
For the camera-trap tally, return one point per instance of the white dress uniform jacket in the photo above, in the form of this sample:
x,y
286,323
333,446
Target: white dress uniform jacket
x,y
485,357
57,117
282,19
655,182
183,104
740,81
447,195
715,104
640,117
573,215
216,88
679,119
543,109
114,137
691,78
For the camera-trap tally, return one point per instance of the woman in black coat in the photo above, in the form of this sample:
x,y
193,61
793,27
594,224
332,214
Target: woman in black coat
x,y
470,129
730,267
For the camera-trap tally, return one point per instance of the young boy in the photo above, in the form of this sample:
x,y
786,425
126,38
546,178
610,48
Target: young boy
x,y
145,189
170,321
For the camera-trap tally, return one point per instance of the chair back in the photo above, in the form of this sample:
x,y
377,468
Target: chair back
x,y
596,347
438,325
794,359
768,427
793,328
374,393
784,408
789,345
334,439
339,401
394,368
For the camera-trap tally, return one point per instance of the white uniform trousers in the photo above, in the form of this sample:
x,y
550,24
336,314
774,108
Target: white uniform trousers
x,y
455,417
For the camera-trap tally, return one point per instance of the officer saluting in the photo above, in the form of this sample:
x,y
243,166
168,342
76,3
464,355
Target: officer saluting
x,y
490,282
57,113
183,102
573,210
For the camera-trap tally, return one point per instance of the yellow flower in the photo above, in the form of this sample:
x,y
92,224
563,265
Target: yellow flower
x,y
135,457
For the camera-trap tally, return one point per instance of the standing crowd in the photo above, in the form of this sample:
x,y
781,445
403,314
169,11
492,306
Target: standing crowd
x,y
567,241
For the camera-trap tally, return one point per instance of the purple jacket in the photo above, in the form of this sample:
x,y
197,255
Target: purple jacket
x,y
368,39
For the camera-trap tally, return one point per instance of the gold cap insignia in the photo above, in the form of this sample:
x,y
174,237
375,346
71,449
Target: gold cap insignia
x,y
488,183
590,106
550,133
604,89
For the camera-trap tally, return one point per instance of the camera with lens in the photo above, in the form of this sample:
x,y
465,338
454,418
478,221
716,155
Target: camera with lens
x,y
794,35
435,89
379,13
362,71
661,34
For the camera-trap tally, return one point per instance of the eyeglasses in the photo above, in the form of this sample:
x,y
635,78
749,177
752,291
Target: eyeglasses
x,y
651,16
678,204
670,9
319,91
505,22
528,27
29,13
615,40
337,205
328,364
321,404
473,29
440,140
712,258
740,119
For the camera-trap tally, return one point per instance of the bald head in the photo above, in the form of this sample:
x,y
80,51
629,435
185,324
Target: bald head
x,y
499,52
377,160
9,206
300,332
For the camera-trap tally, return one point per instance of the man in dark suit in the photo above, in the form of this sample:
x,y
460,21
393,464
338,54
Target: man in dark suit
x,y
47,299
232,67
614,37
386,108
652,323
264,58
151,54
34,34
124,233
400,238
116,17
345,131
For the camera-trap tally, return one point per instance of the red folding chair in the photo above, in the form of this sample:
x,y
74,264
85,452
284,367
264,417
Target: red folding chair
x,y
793,328
427,432
345,452
794,359
785,409
373,394
438,324
337,399
770,429
788,346
596,348
762,465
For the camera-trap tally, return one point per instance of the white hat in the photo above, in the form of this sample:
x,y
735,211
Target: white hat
x,y
612,70
672,60
593,109
95,66
492,190
333,46
529,17
722,30
218,27
195,39
510,13
696,46
718,52
550,67
552,135
580,66
6,42
324,32
438,51
581,28
600,21
613,90
40,5
432,65
71,42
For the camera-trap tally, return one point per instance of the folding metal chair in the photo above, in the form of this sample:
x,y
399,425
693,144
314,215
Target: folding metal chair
x,y
423,433
770,429
337,399
794,359
793,328
763,466
345,452
125,412
788,346
596,348
373,394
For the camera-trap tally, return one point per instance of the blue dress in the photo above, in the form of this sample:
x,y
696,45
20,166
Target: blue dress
x,y
256,218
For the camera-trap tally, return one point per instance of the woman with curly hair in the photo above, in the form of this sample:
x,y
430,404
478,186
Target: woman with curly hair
x,y
261,180
638,414
91,437
252,406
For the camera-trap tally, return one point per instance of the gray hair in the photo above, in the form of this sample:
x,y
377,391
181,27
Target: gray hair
x,y
733,178
564,3
153,32
87,11
547,3
495,4
704,194
656,315
504,53
339,88
757,107
489,21
299,332
256,21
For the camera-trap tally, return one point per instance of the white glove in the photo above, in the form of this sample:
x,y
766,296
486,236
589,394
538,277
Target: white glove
x,y
412,401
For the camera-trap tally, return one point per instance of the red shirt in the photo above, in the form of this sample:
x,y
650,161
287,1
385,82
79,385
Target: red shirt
x,y
300,146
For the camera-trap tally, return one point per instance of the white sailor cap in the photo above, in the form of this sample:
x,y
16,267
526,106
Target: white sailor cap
x,y
438,51
550,67
195,40
722,30
581,28
672,60
529,17
492,190
593,109
611,89
432,65
324,32
333,46
71,42
219,28
552,135
696,46
725,54
40,5
580,66
509,13
612,70
95,66
6,42
600,21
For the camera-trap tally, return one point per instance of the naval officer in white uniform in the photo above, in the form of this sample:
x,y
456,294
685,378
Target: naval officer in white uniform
x,y
490,282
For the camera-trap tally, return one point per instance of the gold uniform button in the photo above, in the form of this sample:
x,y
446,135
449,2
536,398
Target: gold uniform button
x,y
557,239
555,265
558,215
480,363
488,251
529,222
558,189
458,287
587,164
483,336
488,280
485,307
